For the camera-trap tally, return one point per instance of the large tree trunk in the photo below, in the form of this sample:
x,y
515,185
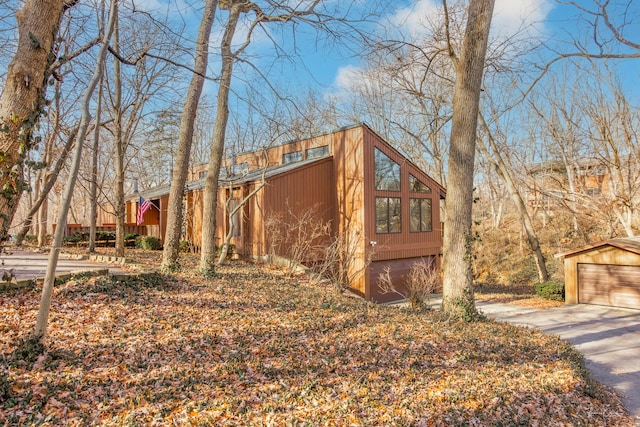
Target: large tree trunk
x,y
457,286
208,254
47,287
22,100
185,141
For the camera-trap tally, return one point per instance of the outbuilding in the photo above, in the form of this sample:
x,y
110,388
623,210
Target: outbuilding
x,y
606,273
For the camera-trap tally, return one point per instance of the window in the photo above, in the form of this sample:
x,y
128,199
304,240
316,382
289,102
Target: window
x,y
235,218
240,168
387,172
296,156
388,219
420,215
316,152
417,186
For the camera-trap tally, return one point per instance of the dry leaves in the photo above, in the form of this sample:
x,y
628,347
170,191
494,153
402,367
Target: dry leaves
x,y
253,348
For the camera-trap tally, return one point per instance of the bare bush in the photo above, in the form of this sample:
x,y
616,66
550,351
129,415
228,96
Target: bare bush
x,y
297,236
422,281
343,260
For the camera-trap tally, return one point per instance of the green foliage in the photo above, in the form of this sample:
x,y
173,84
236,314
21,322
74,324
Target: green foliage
x,y
30,238
185,246
28,350
105,235
149,242
552,290
130,239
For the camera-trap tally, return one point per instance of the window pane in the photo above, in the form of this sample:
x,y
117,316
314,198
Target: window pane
x,y
313,153
387,172
395,219
292,157
382,215
417,186
425,223
414,215
420,214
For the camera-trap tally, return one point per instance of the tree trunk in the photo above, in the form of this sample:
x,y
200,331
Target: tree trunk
x,y
208,254
49,280
120,146
502,170
93,188
457,298
23,98
185,141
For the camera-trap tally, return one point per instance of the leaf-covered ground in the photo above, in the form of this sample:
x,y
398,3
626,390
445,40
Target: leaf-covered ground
x,y
251,347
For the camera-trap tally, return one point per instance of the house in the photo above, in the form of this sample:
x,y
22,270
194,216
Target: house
x,y
606,273
352,179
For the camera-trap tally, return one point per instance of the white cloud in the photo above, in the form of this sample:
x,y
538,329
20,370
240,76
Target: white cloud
x,y
512,16
348,77
509,17
414,20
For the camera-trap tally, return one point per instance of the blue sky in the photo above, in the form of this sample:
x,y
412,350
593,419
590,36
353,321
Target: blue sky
x,y
330,68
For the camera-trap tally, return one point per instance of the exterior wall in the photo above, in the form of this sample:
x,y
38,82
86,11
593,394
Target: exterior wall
x,y
348,157
398,271
605,254
406,244
308,188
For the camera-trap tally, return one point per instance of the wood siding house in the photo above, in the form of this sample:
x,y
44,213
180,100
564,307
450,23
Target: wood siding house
x,y
351,179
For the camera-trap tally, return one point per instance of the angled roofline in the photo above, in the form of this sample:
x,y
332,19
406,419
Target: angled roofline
x,y
629,244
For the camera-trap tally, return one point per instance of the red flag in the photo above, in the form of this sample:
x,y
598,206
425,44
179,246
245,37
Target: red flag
x,y
143,206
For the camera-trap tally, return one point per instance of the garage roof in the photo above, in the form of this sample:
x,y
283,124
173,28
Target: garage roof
x,y
630,244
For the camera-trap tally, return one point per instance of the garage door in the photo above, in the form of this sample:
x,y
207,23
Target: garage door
x,y
615,285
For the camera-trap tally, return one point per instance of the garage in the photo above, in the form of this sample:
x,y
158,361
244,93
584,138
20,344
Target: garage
x,y
607,273
615,285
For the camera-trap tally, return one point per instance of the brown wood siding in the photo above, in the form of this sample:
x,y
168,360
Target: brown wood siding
x,y
310,187
407,244
350,189
615,285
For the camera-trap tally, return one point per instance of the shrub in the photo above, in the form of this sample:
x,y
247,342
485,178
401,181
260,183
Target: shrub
x,y
186,246
105,235
149,242
130,239
550,290
30,238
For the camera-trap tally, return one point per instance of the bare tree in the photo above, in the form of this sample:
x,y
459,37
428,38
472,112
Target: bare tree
x,y
457,287
504,172
47,288
185,141
236,8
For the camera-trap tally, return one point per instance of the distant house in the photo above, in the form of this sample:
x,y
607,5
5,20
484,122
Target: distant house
x,y
548,184
351,178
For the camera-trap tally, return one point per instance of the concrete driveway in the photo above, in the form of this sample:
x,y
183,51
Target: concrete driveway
x,y
609,339
25,265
